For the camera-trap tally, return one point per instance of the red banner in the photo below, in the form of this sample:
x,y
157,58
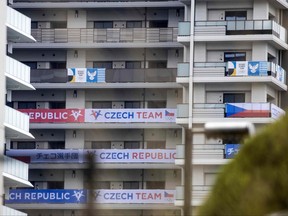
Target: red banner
x,y
55,115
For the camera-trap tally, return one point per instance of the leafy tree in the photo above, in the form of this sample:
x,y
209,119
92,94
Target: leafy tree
x,y
255,182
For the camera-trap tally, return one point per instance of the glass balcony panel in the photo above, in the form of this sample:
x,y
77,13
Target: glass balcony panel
x,y
258,25
240,25
182,110
249,25
267,24
184,29
231,25
15,168
183,69
16,119
180,151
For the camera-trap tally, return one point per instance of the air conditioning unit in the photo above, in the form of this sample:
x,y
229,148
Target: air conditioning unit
x,y
43,65
117,145
118,65
116,185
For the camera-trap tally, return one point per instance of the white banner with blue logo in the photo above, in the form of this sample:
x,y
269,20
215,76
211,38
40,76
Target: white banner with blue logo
x,y
94,75
130,115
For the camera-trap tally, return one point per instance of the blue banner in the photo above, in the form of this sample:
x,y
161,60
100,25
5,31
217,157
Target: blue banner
x,y
231,150
47,196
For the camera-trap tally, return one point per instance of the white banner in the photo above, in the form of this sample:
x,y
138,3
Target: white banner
x,y
134,196
101,155
130,115
133,155
276,112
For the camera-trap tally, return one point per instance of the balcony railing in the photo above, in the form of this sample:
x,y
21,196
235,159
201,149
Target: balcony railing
x,y
12,212
16,121
17,70
49,196
15,168
231,110
111,35
16,1
111,75
230,27
100,155
233,68
18,21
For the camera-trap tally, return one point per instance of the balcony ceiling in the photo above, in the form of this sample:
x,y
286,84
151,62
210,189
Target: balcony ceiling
x,y
13,35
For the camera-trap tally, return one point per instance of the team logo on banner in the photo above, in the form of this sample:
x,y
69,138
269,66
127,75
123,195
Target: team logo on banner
x,y
54,115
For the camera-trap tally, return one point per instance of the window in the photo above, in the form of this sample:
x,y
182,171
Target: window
x,y
132,104
101,104
26,145
234,98
103,24
55,185
57,65
134,24
157,64
156,145
32,65
155,185
235,15
56,145
131,145
156,104
132,64
131,185
26,105
57,105
158,24
234,56
104,64
101,145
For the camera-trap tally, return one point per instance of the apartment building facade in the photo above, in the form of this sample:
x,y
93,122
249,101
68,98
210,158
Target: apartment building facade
x,y
15,76
122,81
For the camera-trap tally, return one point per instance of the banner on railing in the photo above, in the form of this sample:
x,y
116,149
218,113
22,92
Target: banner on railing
x,y
255,68
50,196
86,75
231,150
247,68
100,155
47,196
54,115
134,196
100,115
236,110
276,112
130,115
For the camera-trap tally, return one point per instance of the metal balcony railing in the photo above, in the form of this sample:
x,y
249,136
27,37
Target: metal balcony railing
x,y
110,35
111,75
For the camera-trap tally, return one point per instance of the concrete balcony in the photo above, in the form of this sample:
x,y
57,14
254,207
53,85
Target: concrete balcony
x,y
226,72
16,124
12,212
95,3
18,27
17,75
248,30
15,173
202,154
253,112
198,195
104,38
140,75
